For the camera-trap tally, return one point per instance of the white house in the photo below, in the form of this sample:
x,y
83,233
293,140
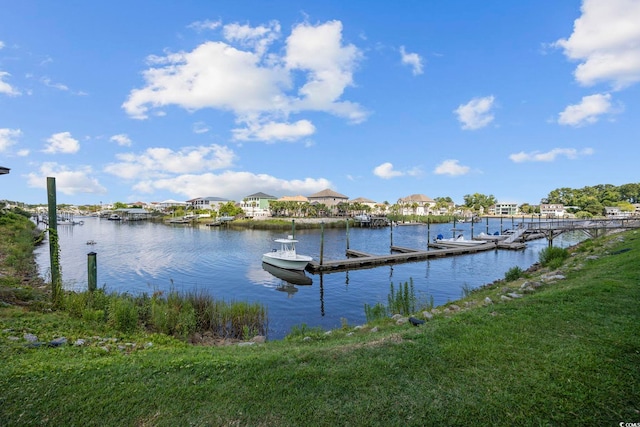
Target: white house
x,y
552,210
416,204
504,209
257,205
210,203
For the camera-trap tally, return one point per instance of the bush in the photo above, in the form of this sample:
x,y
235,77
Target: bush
x,y
553,257
123,314
377,312
514,273
402,301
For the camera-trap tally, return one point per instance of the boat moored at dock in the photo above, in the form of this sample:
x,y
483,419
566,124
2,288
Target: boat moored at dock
x,y
286,256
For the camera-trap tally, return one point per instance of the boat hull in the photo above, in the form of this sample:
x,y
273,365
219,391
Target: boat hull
x,y
288,263
294,277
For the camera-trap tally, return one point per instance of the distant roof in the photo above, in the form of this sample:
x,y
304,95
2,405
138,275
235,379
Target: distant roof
x,y
209,199
416,198
362,200
4,170
327,194
261,196
293,199
172,202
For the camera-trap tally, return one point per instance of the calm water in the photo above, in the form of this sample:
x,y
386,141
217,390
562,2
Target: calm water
x,y
137,257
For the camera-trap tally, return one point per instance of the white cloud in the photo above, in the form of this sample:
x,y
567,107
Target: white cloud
x,y
476,113
8,137
329,66
62,142
122,139
232,185
451,167
549,156
200,127
49,83
257,87
68,181
5,87
606,41
162,162
588,111
204,25
412,59
386,171
272,131
1,45
256,38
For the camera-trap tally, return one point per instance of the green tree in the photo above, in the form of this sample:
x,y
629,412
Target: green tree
x,y
230,209
476,201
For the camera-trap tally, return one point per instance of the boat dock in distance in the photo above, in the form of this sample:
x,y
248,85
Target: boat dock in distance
x,y
359,260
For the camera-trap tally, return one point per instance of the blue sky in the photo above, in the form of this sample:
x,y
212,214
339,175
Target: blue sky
x,y
155,100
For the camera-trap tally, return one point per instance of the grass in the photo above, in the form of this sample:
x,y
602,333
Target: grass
x,y
565,354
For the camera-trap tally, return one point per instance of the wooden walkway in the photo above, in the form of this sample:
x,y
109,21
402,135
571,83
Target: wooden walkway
x,y
592,228
360,260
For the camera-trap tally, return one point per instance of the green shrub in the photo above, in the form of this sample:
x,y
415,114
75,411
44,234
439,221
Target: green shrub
x,y
75,304
123,314
402,301
553,257
377,312
514,273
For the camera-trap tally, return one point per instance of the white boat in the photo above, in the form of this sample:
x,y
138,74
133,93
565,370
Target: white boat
x,y
286,257
491,237
457,241
114,217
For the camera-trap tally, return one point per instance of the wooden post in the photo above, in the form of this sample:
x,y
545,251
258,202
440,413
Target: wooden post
x,y
321,243
453,230
92,271
54,244
347,233
471,228
293,228
428,232
488,226
391,230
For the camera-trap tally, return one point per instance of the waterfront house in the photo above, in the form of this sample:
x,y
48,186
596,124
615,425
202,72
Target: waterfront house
x,y
170,203
614,212
297,199
329,198
208,203
257,205
552,210
504,209
416,204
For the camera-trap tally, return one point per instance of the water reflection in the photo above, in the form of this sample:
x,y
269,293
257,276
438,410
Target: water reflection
x,y
290,276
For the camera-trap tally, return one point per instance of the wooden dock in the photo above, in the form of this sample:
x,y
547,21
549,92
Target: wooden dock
x,y
361,260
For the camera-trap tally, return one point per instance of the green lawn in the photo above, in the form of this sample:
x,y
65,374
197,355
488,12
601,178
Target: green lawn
x,y
566,354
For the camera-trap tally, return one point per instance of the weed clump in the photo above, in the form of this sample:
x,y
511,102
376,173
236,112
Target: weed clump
x,y
553,257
